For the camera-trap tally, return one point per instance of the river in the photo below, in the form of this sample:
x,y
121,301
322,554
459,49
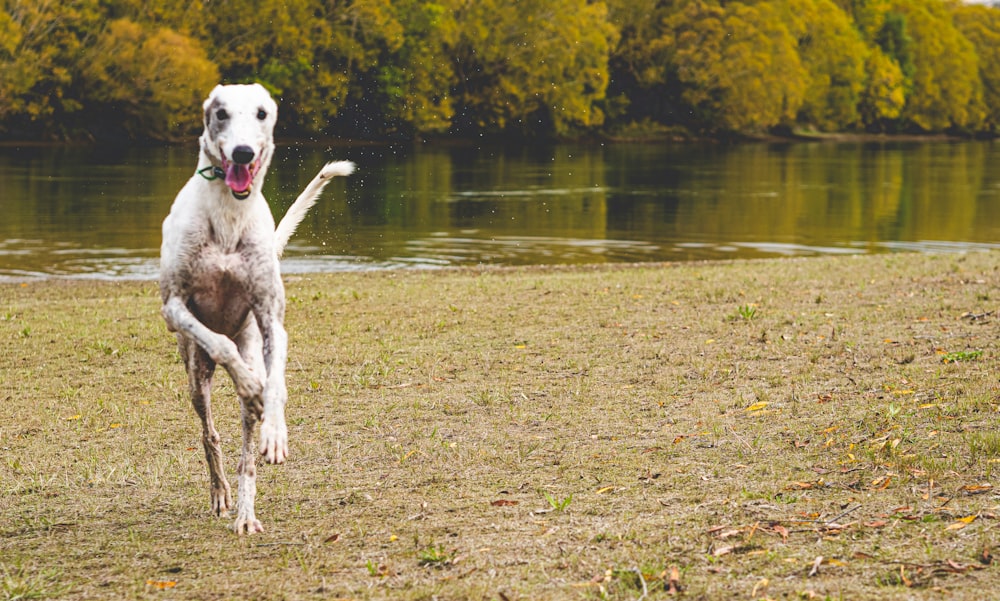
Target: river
x,y
81,212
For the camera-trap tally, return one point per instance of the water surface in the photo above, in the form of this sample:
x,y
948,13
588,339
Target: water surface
x,y
80,212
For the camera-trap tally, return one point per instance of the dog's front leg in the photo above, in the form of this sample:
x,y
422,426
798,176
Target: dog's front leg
x,y
273,429
269,309
222,350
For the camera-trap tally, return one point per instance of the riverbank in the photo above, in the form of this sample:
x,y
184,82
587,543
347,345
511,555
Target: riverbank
x,y
792,428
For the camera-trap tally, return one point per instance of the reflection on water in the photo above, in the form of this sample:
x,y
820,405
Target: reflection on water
x,y
79,213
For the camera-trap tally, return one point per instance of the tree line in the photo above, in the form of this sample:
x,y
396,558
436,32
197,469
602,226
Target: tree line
x,y
113,69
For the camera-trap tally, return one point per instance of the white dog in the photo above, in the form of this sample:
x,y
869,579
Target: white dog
x,y
221,284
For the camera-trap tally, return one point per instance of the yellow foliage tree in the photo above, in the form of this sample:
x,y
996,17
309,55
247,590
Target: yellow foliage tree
x,y
981,26
151,81
834,55
883,97
408,67
738,64
42,41
416,79
532,65
945,91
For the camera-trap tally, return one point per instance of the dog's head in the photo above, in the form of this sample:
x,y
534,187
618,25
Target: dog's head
x,y
238,137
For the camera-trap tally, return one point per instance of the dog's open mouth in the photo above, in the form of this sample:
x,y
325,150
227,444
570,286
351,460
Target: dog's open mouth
x,y
239,177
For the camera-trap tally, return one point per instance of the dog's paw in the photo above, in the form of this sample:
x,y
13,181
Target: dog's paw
x,y
222,501
337,168
274,439
254,404
250,386
247,525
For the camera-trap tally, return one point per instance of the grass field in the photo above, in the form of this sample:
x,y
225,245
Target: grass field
x,y
822,428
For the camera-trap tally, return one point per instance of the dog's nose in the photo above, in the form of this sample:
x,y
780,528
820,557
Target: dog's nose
x,y
242,155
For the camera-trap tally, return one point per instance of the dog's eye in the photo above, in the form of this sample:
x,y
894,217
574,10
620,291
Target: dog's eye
x,y
221,114
261,114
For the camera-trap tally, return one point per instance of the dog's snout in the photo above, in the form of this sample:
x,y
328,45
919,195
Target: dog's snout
x,y
242,155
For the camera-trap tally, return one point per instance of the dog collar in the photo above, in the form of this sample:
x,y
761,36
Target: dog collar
x,y
212,173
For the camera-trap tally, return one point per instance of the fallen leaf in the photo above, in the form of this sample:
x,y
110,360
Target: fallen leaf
x,y
72,417
876,524
961,522
674,583
957,567
161,584
902,576
782,531
815,566
601,491
332,538
881,483
757,406
975,489
760,586
719,552
503,503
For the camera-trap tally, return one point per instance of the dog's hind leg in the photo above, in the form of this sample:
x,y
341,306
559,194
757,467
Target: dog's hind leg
x,y
200,369
246,520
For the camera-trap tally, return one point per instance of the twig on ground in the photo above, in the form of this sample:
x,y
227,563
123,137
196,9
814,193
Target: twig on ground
x,y
834,519
642,579
815,566
741,439
976,316
281,544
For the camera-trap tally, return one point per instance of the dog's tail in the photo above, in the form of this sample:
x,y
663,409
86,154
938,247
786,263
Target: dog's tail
x,y
297,212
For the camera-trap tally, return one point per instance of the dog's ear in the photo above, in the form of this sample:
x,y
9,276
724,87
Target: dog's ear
x,y
210,103
271,104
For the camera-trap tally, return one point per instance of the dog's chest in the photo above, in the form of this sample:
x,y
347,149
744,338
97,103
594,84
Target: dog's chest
x,y
219,289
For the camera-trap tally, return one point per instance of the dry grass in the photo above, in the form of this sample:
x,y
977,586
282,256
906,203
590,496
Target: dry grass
x,y
822,428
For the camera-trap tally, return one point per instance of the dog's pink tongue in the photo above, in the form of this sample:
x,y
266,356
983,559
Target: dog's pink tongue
x,y
238,177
